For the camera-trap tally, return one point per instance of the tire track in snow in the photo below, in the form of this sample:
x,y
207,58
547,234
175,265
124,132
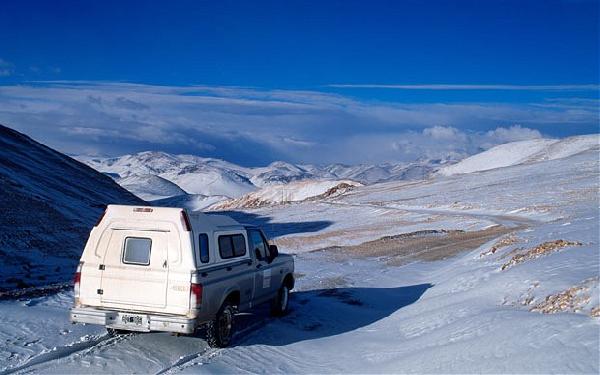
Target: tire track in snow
x,y
79,349
187,361
205,355
59,353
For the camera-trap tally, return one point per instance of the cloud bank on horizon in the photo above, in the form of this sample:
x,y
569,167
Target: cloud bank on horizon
x,y
252,126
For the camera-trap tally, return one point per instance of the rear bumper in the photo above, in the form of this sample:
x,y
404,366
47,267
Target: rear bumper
x,y
114,319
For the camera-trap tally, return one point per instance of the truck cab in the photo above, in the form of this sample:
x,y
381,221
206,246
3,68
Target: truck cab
x,y
163,269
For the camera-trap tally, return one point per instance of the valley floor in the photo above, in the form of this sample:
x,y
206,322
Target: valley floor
x,y
519,295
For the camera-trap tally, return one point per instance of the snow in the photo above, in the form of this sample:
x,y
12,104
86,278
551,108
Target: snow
x,y
191,202
208,176
150,187
211,183
500,156
570,146
191,174
524,151
356,314
280,172
291,192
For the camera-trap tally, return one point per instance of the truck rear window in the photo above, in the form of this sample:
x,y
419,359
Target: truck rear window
x,y
137,251
231,246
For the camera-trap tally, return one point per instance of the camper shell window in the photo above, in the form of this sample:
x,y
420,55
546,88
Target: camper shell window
x,y
136,250
232,246
203,244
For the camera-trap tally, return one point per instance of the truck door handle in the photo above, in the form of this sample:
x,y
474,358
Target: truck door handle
x,y
228,268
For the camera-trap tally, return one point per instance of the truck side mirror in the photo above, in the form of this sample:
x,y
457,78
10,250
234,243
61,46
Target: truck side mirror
x,y
274,251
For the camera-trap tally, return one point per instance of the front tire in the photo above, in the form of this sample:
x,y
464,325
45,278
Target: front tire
x,y
279,305
220,330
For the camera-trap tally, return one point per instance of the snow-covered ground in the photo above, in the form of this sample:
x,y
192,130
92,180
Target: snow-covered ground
x,y
521,303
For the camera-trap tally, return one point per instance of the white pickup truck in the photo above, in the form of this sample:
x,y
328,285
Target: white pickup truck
x,y
162,269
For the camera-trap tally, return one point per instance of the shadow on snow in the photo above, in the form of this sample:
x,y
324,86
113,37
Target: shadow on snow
x,y
326,312
274,229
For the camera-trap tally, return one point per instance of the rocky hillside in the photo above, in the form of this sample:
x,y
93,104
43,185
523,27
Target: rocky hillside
x,y
49,202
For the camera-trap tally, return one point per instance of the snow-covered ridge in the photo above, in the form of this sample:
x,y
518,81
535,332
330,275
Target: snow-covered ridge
x,y
213,177
189,174
530,151
292,192
150,187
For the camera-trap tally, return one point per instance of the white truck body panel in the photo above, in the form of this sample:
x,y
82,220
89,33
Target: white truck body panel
x,y
140,262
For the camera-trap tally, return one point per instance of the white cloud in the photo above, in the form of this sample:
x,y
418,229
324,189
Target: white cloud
x,y
513,134
446,133
255,126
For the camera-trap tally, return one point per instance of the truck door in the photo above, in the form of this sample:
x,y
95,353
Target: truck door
x,y
135,269
263,285
276,268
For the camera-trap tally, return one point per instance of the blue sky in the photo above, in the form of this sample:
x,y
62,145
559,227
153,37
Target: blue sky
x,y
330,77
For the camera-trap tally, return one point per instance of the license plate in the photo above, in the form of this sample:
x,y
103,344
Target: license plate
x,y
136,320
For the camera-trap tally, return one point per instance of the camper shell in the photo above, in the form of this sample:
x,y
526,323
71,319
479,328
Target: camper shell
x,y
162,269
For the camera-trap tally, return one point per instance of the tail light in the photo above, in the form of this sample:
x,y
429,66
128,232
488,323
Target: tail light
x,y
77,282
195,295
185,221
100,218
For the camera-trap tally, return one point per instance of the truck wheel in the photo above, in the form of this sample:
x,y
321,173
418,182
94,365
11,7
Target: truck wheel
x,y
220,330
112,332
279,304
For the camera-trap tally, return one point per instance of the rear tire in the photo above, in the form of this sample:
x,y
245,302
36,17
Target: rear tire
x,y
112,332
279,304
220,331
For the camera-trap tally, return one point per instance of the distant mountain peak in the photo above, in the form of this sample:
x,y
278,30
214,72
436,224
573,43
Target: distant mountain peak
x,y
212,177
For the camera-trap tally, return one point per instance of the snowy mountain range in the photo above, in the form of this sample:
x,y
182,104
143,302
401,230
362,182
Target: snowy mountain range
x,y
199,183
159,175
49,202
